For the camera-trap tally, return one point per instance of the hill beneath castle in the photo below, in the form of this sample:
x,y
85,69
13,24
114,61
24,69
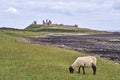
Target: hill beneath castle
x,y
60,29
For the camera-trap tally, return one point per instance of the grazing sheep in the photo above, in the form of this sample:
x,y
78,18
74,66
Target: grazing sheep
x,y
88,61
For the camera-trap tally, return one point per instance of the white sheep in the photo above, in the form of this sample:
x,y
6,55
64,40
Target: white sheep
x,y
88,61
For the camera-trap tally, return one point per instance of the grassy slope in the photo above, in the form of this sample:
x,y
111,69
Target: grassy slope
x,y
21,61
61,29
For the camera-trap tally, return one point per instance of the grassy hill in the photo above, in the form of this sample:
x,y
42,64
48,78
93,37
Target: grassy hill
x,y
60,29
22,61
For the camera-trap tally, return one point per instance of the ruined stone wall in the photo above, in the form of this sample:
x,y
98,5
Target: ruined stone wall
x,y
49,23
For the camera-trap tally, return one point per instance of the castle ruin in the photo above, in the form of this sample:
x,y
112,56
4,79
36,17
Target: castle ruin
x,y
47,22
50,24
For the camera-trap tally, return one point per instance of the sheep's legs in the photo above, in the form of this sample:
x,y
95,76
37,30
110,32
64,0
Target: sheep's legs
x,y
83,70
94,69
79,70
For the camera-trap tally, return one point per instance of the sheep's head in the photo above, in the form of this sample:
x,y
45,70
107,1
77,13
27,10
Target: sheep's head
x,y
71,69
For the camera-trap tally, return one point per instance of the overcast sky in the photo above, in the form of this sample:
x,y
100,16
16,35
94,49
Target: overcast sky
x,y
93,14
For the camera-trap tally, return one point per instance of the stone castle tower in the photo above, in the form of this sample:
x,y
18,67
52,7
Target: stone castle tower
x,y
47,22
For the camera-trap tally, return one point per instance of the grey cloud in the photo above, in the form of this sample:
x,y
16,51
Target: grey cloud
x,y
61,5
116,4
77,10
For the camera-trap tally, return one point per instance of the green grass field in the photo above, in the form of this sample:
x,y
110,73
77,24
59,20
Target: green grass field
x,y
22,61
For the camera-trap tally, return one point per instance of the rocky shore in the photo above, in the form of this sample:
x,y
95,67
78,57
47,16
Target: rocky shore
x,y
104,45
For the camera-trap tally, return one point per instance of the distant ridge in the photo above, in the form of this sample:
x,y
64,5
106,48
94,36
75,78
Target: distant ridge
x,y
114,30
